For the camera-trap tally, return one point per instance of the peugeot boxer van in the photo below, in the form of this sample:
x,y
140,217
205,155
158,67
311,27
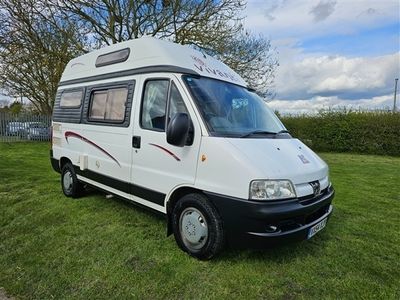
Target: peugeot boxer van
x,y
176,131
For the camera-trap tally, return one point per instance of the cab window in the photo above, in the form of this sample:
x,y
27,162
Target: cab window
x,y
176,104
154,104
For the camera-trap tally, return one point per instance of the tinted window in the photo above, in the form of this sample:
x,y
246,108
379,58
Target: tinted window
x,y
70,99
108,105
116,104
98,108
154,104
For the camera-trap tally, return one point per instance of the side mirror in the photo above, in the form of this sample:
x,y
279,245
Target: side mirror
x,y
178,129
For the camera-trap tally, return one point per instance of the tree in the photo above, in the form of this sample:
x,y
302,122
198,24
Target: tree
x,y
15,108
38,38
4,109
253,58
212,26
35,46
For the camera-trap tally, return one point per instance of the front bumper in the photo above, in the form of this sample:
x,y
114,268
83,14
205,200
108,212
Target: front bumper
x,y
259,224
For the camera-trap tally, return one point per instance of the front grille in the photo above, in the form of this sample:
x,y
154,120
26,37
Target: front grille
x,y
317,214
290,224
296,222
309,199
307,218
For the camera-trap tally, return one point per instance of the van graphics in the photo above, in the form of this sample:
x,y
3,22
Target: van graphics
x,y
303,159
166,150
202,67
82,138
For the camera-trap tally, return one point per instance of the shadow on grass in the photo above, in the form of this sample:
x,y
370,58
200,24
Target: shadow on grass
x,y
90,191
274,253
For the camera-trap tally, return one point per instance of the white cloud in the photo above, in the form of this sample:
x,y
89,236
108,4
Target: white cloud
x,y
288,18
337,75
323,10
315,104
327,78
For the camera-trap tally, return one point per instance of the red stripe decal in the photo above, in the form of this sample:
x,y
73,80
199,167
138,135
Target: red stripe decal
x,y
76,135
167,151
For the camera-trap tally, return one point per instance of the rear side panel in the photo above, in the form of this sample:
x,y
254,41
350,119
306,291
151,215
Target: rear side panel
x,y
98,149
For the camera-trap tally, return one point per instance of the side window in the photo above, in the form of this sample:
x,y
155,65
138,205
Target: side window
x,y
71,99
98,108
176,104
108,105
116,103
154,104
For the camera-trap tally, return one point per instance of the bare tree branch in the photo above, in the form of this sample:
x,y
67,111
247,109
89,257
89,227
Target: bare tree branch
x,y
38,38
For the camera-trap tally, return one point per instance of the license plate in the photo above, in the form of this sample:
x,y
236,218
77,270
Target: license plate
x,y
317,228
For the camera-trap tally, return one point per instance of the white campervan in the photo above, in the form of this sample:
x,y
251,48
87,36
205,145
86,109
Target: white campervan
x,y
176,131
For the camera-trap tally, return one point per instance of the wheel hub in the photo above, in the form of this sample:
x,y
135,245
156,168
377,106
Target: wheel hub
x,y
193,228
67,180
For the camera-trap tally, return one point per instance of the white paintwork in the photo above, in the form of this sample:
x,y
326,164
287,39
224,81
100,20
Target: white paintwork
x,y
83,162
152,167
146,52
279,159
230,164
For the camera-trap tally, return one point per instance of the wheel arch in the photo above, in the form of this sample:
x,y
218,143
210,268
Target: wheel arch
x,y
177,194
64,160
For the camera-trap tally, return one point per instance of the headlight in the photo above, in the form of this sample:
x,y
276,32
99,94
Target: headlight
x,y
271,190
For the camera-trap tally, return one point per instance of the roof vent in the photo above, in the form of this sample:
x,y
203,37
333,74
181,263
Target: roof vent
x,y
112,57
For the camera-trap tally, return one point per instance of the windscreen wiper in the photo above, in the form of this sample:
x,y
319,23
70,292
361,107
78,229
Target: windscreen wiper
x,y
283,131
257,132
263,132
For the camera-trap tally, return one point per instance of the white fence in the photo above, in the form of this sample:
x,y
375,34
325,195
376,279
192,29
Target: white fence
x,y
24,127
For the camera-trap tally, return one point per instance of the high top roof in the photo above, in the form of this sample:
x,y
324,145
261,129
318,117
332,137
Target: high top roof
x,y
148,54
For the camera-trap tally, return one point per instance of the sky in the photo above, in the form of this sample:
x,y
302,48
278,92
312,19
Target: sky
x,y
4,99
332,53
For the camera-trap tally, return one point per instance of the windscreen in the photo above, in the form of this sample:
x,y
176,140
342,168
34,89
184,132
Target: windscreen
x,y
230,110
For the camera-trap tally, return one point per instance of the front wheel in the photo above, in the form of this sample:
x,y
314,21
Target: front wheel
x,y
198,227
70,184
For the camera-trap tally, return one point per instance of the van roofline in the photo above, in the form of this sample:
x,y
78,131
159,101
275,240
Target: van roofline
x,y
146,55
136,71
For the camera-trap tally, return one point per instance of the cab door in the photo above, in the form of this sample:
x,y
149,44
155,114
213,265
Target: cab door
x,y
159,167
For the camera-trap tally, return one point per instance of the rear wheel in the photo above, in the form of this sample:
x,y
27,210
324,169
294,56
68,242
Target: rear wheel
x,y
70,184
198,227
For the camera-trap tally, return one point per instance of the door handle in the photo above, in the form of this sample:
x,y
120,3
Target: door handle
x,y
136,141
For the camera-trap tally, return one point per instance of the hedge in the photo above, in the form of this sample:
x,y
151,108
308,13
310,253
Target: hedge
x,y
348,131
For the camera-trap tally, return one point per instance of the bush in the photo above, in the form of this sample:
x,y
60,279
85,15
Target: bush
x,y
348,131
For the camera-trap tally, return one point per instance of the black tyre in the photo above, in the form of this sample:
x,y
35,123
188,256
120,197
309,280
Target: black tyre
x,y
197,227
70,184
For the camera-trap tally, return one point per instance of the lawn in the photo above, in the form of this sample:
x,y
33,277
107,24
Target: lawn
x,y
55,247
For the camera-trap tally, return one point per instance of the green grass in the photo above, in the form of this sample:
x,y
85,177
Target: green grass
x,y
55,247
